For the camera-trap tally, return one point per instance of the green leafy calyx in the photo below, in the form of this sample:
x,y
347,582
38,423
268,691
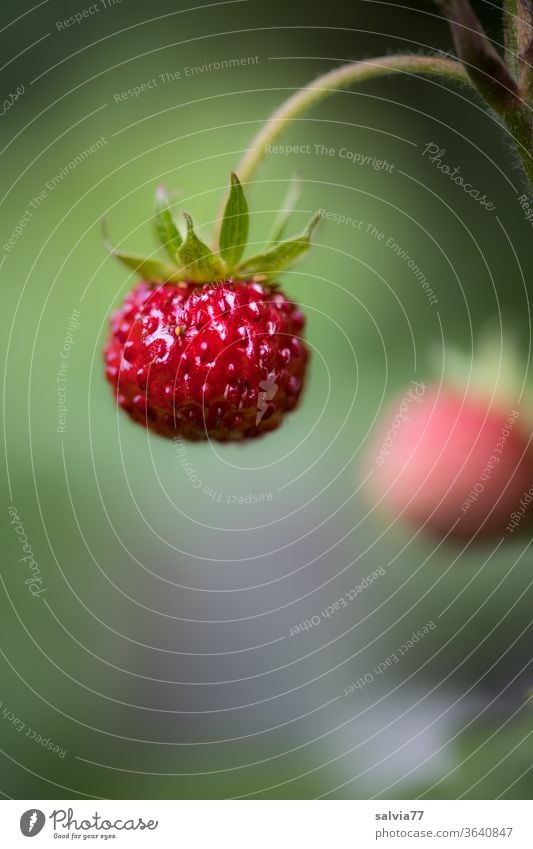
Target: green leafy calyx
x,y
193,261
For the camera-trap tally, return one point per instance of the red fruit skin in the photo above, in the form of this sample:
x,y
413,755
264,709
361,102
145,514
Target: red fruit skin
x,y
440,456
222,361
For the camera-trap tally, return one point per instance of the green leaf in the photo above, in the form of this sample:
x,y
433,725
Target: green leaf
x,y
146,267
166,227
235,225
199,264
290,200
282,255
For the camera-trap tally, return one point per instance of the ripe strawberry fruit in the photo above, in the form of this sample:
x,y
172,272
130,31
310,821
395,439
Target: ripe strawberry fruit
x,y
208,346
451,463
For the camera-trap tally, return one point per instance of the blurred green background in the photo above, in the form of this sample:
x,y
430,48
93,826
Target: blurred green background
x,y
159,657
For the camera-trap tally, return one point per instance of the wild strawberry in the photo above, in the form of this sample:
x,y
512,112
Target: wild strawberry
x,y
454,464
210,348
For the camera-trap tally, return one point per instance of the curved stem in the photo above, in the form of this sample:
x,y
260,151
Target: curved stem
x,y
341,78
329,83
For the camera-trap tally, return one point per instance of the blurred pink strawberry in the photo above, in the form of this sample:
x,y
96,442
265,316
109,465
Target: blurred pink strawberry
x,y
452,463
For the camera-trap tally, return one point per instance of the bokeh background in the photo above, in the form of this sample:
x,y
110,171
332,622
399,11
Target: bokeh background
x,y
158,659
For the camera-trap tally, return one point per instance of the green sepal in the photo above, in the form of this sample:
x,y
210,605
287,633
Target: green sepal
x,y
166,228
199,263
282,255
235,225
147,267
290,200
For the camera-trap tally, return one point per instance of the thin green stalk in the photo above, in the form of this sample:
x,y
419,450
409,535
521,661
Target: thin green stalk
x,y
518,123
336,80
510,12
518,27
524,39
340,78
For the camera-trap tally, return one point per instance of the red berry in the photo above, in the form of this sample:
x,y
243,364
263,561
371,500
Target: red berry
x,y
451,464
221,361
